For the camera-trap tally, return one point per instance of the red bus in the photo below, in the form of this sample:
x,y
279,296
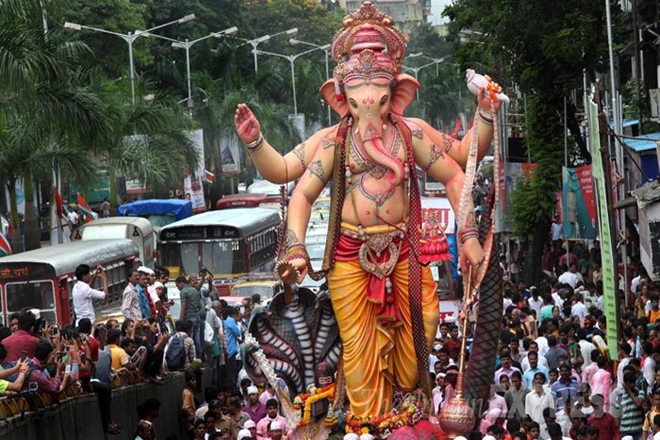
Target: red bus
x,y
245,200
43,278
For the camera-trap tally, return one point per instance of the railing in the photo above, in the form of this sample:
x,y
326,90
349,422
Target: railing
x,y
68,416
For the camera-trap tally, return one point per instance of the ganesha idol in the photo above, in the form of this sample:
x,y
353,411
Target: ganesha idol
x,y
384,299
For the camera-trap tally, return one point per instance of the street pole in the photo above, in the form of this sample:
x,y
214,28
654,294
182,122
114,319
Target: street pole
x,y
325,49
129,40
190,102
291,59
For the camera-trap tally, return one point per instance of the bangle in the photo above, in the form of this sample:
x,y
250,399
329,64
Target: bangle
x,y
486,117
256,144
468,233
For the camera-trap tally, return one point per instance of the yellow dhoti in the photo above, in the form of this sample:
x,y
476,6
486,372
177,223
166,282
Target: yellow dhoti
x,y
378,350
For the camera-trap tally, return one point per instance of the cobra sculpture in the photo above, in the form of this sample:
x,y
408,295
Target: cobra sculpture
x,y
294,337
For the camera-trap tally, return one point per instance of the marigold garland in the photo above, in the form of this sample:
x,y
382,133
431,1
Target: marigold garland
x,y
308,399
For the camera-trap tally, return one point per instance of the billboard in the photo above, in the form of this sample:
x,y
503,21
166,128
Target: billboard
x,y
578,203
193,189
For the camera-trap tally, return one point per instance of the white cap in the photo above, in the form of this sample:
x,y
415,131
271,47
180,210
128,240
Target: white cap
x,y
275,425
252,390
437,347
145,269
366,437
460,437
627,437
488,437
351,436
249,424
158,284
244,434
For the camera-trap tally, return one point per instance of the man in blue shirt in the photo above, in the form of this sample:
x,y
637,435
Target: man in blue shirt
x,y
234,338
566,387
534,367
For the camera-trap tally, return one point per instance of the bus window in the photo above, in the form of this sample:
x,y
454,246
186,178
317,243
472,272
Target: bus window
x,y
33,295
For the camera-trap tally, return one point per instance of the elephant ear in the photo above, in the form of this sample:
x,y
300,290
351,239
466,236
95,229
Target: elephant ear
x,y
403,93
334,97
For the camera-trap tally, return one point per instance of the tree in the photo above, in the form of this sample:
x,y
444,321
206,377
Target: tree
x,y
544,47
148,142
120,16
47,109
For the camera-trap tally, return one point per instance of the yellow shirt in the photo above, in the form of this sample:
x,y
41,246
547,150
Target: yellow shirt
x,y
653,316
119,356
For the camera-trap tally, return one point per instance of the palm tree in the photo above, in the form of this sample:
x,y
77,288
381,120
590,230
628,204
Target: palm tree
x,y
45,102
149,142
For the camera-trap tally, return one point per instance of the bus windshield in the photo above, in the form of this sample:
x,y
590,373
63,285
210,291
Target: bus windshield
x,y
218,257
33,295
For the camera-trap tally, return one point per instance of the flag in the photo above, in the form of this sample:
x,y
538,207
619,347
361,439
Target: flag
x,y
5,247
208,176
85,210
58,201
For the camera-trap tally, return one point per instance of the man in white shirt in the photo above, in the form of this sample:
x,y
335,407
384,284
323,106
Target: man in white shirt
x,y
83,295
578,308
130,303
569,276
535,301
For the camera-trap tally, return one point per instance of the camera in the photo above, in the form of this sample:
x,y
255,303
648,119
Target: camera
x,y
33,387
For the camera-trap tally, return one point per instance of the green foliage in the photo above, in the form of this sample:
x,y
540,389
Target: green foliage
x,y
543,48
121,16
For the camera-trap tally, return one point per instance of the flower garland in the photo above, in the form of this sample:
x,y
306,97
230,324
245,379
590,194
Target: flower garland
x,y
383,424
308,399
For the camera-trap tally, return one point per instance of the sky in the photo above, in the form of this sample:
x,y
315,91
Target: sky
x,y
436,9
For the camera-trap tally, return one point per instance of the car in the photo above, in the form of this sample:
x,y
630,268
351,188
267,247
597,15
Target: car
x,y
266,288
314,286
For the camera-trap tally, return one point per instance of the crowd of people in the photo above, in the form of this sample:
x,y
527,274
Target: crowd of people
x,y
555,378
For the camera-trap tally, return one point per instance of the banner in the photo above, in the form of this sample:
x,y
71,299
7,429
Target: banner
x,y
606,254
192,185
230,155
512,173
578,203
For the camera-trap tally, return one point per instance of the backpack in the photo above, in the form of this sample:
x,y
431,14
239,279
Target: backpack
x,y
176,353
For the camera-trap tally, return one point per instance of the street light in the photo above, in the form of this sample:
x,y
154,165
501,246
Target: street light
x,y
291,59
129,38
415,70
187,45
326,49
255,42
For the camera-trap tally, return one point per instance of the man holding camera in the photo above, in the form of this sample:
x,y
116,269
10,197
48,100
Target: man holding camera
x,y
84,295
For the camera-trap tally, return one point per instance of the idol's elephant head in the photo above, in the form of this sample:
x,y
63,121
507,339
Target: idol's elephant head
x,y
369,99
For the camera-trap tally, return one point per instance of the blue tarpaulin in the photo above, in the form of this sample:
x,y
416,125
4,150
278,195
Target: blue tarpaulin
x,y
180,209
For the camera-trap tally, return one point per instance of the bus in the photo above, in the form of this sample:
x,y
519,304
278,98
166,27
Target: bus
x,y
245,200
44,278
228,243
137,229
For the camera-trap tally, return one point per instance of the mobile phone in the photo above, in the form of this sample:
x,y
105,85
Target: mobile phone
x,y
23,355
56,329
67,348
33,386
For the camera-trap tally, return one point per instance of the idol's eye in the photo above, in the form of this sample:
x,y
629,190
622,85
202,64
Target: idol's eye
x,y
384,99
352,102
